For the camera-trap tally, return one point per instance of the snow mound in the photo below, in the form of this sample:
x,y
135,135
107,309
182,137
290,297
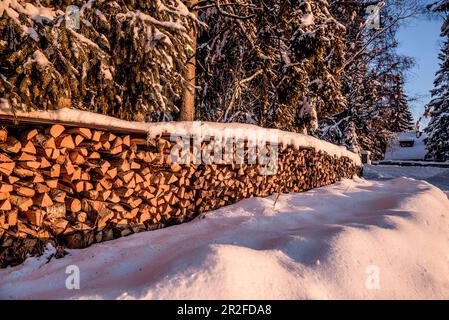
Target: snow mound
x,y
356,239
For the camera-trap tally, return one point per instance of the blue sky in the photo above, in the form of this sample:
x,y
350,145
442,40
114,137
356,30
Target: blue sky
x,y
420,39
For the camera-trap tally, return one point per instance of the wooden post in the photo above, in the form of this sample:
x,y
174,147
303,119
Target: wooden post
x,y
366,157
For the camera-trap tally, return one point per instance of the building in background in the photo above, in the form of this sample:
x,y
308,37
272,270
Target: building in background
x,y
407,146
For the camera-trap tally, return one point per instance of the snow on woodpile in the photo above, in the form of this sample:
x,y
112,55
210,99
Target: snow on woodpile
x,y
396,151
362,240
204,129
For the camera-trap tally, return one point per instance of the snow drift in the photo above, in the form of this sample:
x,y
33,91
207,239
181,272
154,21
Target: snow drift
x,y
328,243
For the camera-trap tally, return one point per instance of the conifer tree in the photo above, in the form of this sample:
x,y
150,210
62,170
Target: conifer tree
x,y
126,59
400,117
372,83
275,65
438,109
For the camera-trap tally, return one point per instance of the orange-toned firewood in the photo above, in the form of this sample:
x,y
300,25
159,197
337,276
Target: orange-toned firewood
x,y
78,139
175,167
48,153
53,184
32,165
112,173
108,136
7,167
4,195
5,205
85,176
62,158
105,183
12,145
117,142
75,174
4,187
76,157
58,195
135,165
55,171
5,158
127,141
83,151
56,130
126,176
55,154
58,226
44,163
23,172
26,157
94,155
114,198
79,186
131,184
96,136
104,167
31,134
106,145
92,194
116,150
81,216
66,142
122,165
42,188
73,204
24,191
97,146
29,148
138,178
50,143
3,135
124,192
84,132
118,183
12,218
42,200
38,178
23,203
88,186
35,217
104,195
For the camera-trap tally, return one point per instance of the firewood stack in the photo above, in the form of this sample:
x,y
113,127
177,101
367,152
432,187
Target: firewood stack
x,y
76,186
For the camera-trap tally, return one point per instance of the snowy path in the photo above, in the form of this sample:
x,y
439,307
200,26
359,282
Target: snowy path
x,y
437,176
356,239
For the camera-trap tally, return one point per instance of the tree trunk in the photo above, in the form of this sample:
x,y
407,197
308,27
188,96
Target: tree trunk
x,y
188,105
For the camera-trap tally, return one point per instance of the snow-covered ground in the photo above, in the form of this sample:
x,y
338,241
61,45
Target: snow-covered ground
x,y
437,176
357,239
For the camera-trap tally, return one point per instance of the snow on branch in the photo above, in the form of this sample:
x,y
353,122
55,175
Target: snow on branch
x,y
127,59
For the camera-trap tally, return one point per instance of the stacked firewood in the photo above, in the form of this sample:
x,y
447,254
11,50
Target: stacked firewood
x,y
78,186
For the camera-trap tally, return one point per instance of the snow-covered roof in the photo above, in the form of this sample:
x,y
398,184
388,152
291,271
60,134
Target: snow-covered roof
x,y
396,152
204,129
406,137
